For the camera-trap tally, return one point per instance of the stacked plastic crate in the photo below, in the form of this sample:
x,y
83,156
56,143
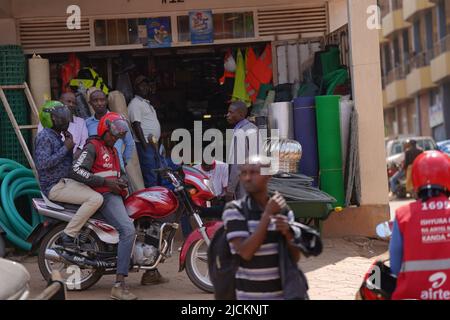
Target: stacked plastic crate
x,y
13,72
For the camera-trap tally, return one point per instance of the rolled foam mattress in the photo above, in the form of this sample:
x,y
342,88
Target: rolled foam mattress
x,y
280,117
305,131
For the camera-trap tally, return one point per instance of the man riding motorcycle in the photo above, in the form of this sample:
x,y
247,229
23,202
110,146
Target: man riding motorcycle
x,y
98,166
53,158
419,248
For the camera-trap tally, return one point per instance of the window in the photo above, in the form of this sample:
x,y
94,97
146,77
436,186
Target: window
x,y
441,16
429,29
387,57
226,26
406,50
416,34
396,52
120,32
397,148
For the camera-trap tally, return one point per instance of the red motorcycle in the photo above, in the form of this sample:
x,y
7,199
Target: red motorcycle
x,y
379,283
156,213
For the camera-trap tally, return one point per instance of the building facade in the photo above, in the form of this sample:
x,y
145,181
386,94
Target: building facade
x,y
415,51
111,26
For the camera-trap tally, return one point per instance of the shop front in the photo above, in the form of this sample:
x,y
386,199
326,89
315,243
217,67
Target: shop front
x,y
191,51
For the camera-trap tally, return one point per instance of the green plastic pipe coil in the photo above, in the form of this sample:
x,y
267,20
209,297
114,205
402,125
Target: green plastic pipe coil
x,y
17,181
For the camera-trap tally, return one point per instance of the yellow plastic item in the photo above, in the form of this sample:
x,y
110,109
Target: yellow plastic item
x,y
239,90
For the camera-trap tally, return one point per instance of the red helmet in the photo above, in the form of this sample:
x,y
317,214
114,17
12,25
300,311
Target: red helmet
x,y
114,123
431,169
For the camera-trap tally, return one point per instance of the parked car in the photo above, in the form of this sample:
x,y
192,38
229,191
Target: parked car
x,y
394,148
15,283
444,146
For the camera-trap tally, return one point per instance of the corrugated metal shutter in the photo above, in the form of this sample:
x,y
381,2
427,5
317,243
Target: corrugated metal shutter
x,y
52,34
275,22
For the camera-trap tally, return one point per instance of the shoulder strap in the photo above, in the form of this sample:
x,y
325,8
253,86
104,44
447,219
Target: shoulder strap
x,y
244,207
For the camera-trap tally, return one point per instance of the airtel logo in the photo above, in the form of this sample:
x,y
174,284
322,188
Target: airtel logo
x,y
435,293
438,280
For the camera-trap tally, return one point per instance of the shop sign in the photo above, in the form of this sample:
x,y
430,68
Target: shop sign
x,y
159,32
436,115
201,26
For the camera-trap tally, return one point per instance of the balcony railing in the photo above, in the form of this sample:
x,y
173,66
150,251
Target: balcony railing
x,y
397,73
421,60
442,46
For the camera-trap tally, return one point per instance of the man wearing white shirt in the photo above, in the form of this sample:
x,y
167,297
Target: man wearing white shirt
x,y
77,127
217,172
147,130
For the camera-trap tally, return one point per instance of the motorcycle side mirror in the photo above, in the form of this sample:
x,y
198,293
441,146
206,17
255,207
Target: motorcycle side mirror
x,y
384,230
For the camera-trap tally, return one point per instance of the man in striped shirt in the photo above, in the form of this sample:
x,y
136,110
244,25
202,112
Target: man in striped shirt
x,y
254,234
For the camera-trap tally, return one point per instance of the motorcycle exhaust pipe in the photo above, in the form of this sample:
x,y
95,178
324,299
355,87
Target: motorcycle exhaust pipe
x,y
86,262
51,255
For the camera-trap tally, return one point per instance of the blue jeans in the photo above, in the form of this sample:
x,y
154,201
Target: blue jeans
x,y
186,227
394,181
115,214
149,160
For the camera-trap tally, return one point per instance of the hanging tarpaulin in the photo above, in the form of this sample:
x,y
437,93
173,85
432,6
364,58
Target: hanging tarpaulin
x,y
261,71
201,26
239,91
159,32
250,60
69,70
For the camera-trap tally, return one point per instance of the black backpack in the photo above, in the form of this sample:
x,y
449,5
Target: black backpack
x,y
222,264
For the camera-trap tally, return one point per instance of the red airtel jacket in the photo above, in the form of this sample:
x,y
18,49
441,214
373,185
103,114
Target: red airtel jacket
x,y
96,163
106,164
425,272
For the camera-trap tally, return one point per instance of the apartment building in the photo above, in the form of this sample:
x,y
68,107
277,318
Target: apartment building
x,y
415,63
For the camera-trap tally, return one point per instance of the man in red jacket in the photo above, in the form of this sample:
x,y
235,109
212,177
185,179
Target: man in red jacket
x,y
98,166
420,244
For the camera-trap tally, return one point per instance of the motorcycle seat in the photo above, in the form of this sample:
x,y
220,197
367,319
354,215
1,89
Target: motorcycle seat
x,y
74,207
68,206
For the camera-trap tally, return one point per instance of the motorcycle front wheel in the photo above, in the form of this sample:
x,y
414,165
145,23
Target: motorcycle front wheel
x,y
197,266
75,277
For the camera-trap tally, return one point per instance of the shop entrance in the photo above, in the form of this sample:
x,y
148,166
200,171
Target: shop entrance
x,y
185,81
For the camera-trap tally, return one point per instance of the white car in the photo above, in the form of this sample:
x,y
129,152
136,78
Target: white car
x,y
394,148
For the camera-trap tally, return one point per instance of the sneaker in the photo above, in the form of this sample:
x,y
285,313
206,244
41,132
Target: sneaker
x,y
68,242
152,277
121,292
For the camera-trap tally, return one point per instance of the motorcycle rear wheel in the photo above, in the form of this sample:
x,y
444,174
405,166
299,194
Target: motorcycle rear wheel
x,y
45,266
196,262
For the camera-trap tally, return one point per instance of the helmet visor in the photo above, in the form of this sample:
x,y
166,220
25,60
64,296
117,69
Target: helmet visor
x,y
61,117
118,128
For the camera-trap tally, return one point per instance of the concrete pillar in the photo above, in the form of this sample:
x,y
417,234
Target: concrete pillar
x,y
367,94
